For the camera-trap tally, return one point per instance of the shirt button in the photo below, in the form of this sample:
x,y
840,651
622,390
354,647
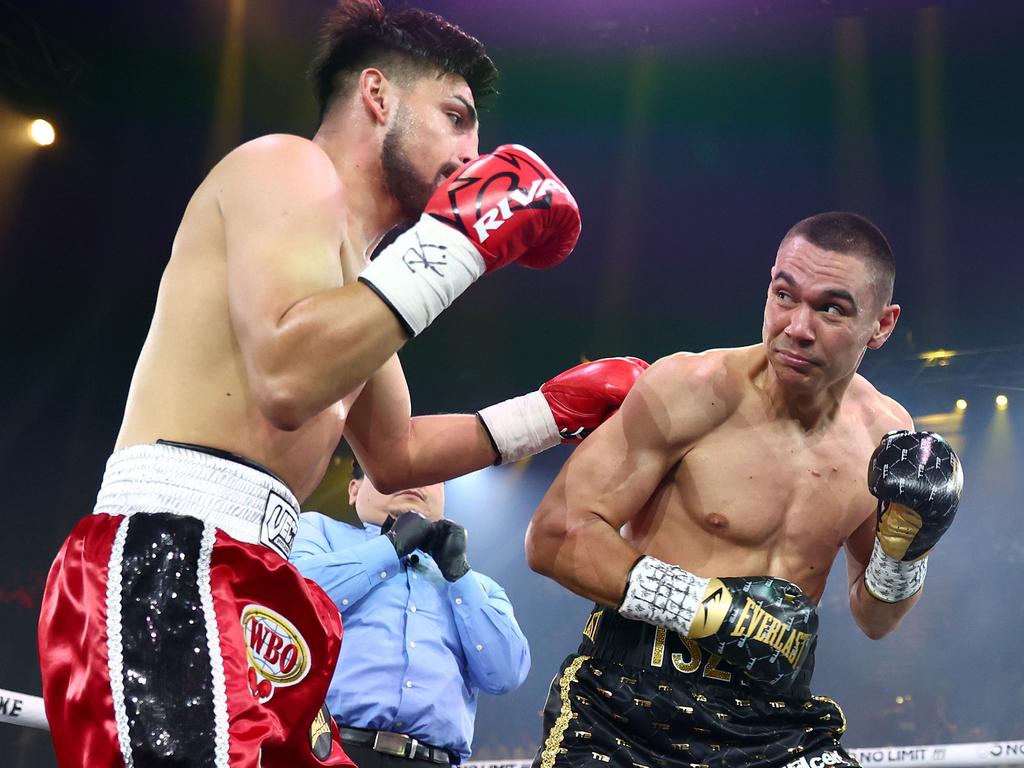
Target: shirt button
x,y
458,601
412,643
383,574
399,723
412,608
344,601
408,683
479,647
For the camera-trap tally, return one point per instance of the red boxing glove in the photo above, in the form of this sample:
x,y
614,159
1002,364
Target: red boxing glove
x,y
503,207
512,207
565,410
582,398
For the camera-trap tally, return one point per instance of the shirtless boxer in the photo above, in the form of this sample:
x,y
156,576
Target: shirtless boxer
x,y
705,516
173,630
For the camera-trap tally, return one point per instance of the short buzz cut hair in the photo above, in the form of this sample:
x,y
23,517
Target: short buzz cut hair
x,y
851,233
357,471
360,33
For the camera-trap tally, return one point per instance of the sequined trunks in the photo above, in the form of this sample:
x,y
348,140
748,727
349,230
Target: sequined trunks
x,y
165,641
637,696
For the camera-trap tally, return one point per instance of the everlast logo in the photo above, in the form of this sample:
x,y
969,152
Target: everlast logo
x,y
757,624
276,650
494,217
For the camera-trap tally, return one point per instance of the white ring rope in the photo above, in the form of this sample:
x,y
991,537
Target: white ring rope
x,y
27,710
22,709
945,755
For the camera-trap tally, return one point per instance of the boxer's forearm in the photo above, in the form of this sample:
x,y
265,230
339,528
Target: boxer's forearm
x,y
875,617
433,449
580,551
321,350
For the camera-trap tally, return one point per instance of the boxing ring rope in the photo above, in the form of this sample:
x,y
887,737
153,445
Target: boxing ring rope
x,y
945,755
27,710
22,709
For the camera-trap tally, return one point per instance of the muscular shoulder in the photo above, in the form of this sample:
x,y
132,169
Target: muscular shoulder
x,y
694,391
878,412
279,161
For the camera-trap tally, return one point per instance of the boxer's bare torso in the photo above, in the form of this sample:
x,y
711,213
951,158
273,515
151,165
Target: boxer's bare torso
x,y
701,470
191,383
755,493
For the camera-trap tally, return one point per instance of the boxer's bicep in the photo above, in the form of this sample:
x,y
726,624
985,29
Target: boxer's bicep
x,y
282,209
574,536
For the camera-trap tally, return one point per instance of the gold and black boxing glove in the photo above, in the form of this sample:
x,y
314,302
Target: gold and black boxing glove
x,y
917,479
759,624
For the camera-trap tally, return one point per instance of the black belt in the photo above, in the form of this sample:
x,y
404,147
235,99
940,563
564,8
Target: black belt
x,y
397,744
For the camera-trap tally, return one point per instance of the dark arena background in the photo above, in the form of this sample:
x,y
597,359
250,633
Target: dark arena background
x,y
693,133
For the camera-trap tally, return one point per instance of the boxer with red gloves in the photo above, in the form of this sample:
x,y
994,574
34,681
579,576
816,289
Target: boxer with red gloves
x,y
564,410
504,207
167,610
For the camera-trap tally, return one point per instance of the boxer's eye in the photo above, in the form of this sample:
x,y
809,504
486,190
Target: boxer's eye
x,y
456,118
834,309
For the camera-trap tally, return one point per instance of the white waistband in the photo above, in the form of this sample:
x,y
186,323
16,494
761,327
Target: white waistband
x,y
245,503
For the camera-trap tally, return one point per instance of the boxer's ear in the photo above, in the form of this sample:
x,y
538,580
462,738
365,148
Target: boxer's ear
x,y
884,326
377,94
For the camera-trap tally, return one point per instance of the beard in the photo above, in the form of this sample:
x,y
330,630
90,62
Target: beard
x,y
401,178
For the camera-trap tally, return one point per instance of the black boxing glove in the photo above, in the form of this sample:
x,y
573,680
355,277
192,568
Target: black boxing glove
x,y
448,548
760,624
917,479
409,531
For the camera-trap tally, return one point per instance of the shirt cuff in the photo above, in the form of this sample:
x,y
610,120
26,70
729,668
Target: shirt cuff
x,y
380,560
467,593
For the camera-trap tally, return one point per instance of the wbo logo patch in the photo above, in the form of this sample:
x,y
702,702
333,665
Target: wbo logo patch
x,y
278,654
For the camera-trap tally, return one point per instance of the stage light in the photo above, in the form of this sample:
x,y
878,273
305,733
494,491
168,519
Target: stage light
x,y
961,404
42,132
939,357
1002,401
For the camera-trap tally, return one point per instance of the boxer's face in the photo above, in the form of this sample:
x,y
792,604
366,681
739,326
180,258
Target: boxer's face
x,y
434,131
375,507
823,310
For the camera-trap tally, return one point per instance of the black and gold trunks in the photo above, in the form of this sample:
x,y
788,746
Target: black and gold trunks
x,y
638,696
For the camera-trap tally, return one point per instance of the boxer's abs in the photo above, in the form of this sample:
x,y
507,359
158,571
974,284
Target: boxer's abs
x,y
190,382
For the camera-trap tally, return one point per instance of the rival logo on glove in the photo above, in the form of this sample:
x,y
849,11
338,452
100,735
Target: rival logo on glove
x,y
537,196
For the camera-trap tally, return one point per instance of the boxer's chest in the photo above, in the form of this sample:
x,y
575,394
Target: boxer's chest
x,y
754,483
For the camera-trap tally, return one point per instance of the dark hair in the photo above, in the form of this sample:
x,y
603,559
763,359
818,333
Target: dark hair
x,y
360,33
852,234
357,471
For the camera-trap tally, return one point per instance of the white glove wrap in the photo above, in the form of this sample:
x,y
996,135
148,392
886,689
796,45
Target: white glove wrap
x,y
521,427
662,594
891,580
423,272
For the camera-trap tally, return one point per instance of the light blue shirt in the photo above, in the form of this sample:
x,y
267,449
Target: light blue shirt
x,y
416,649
